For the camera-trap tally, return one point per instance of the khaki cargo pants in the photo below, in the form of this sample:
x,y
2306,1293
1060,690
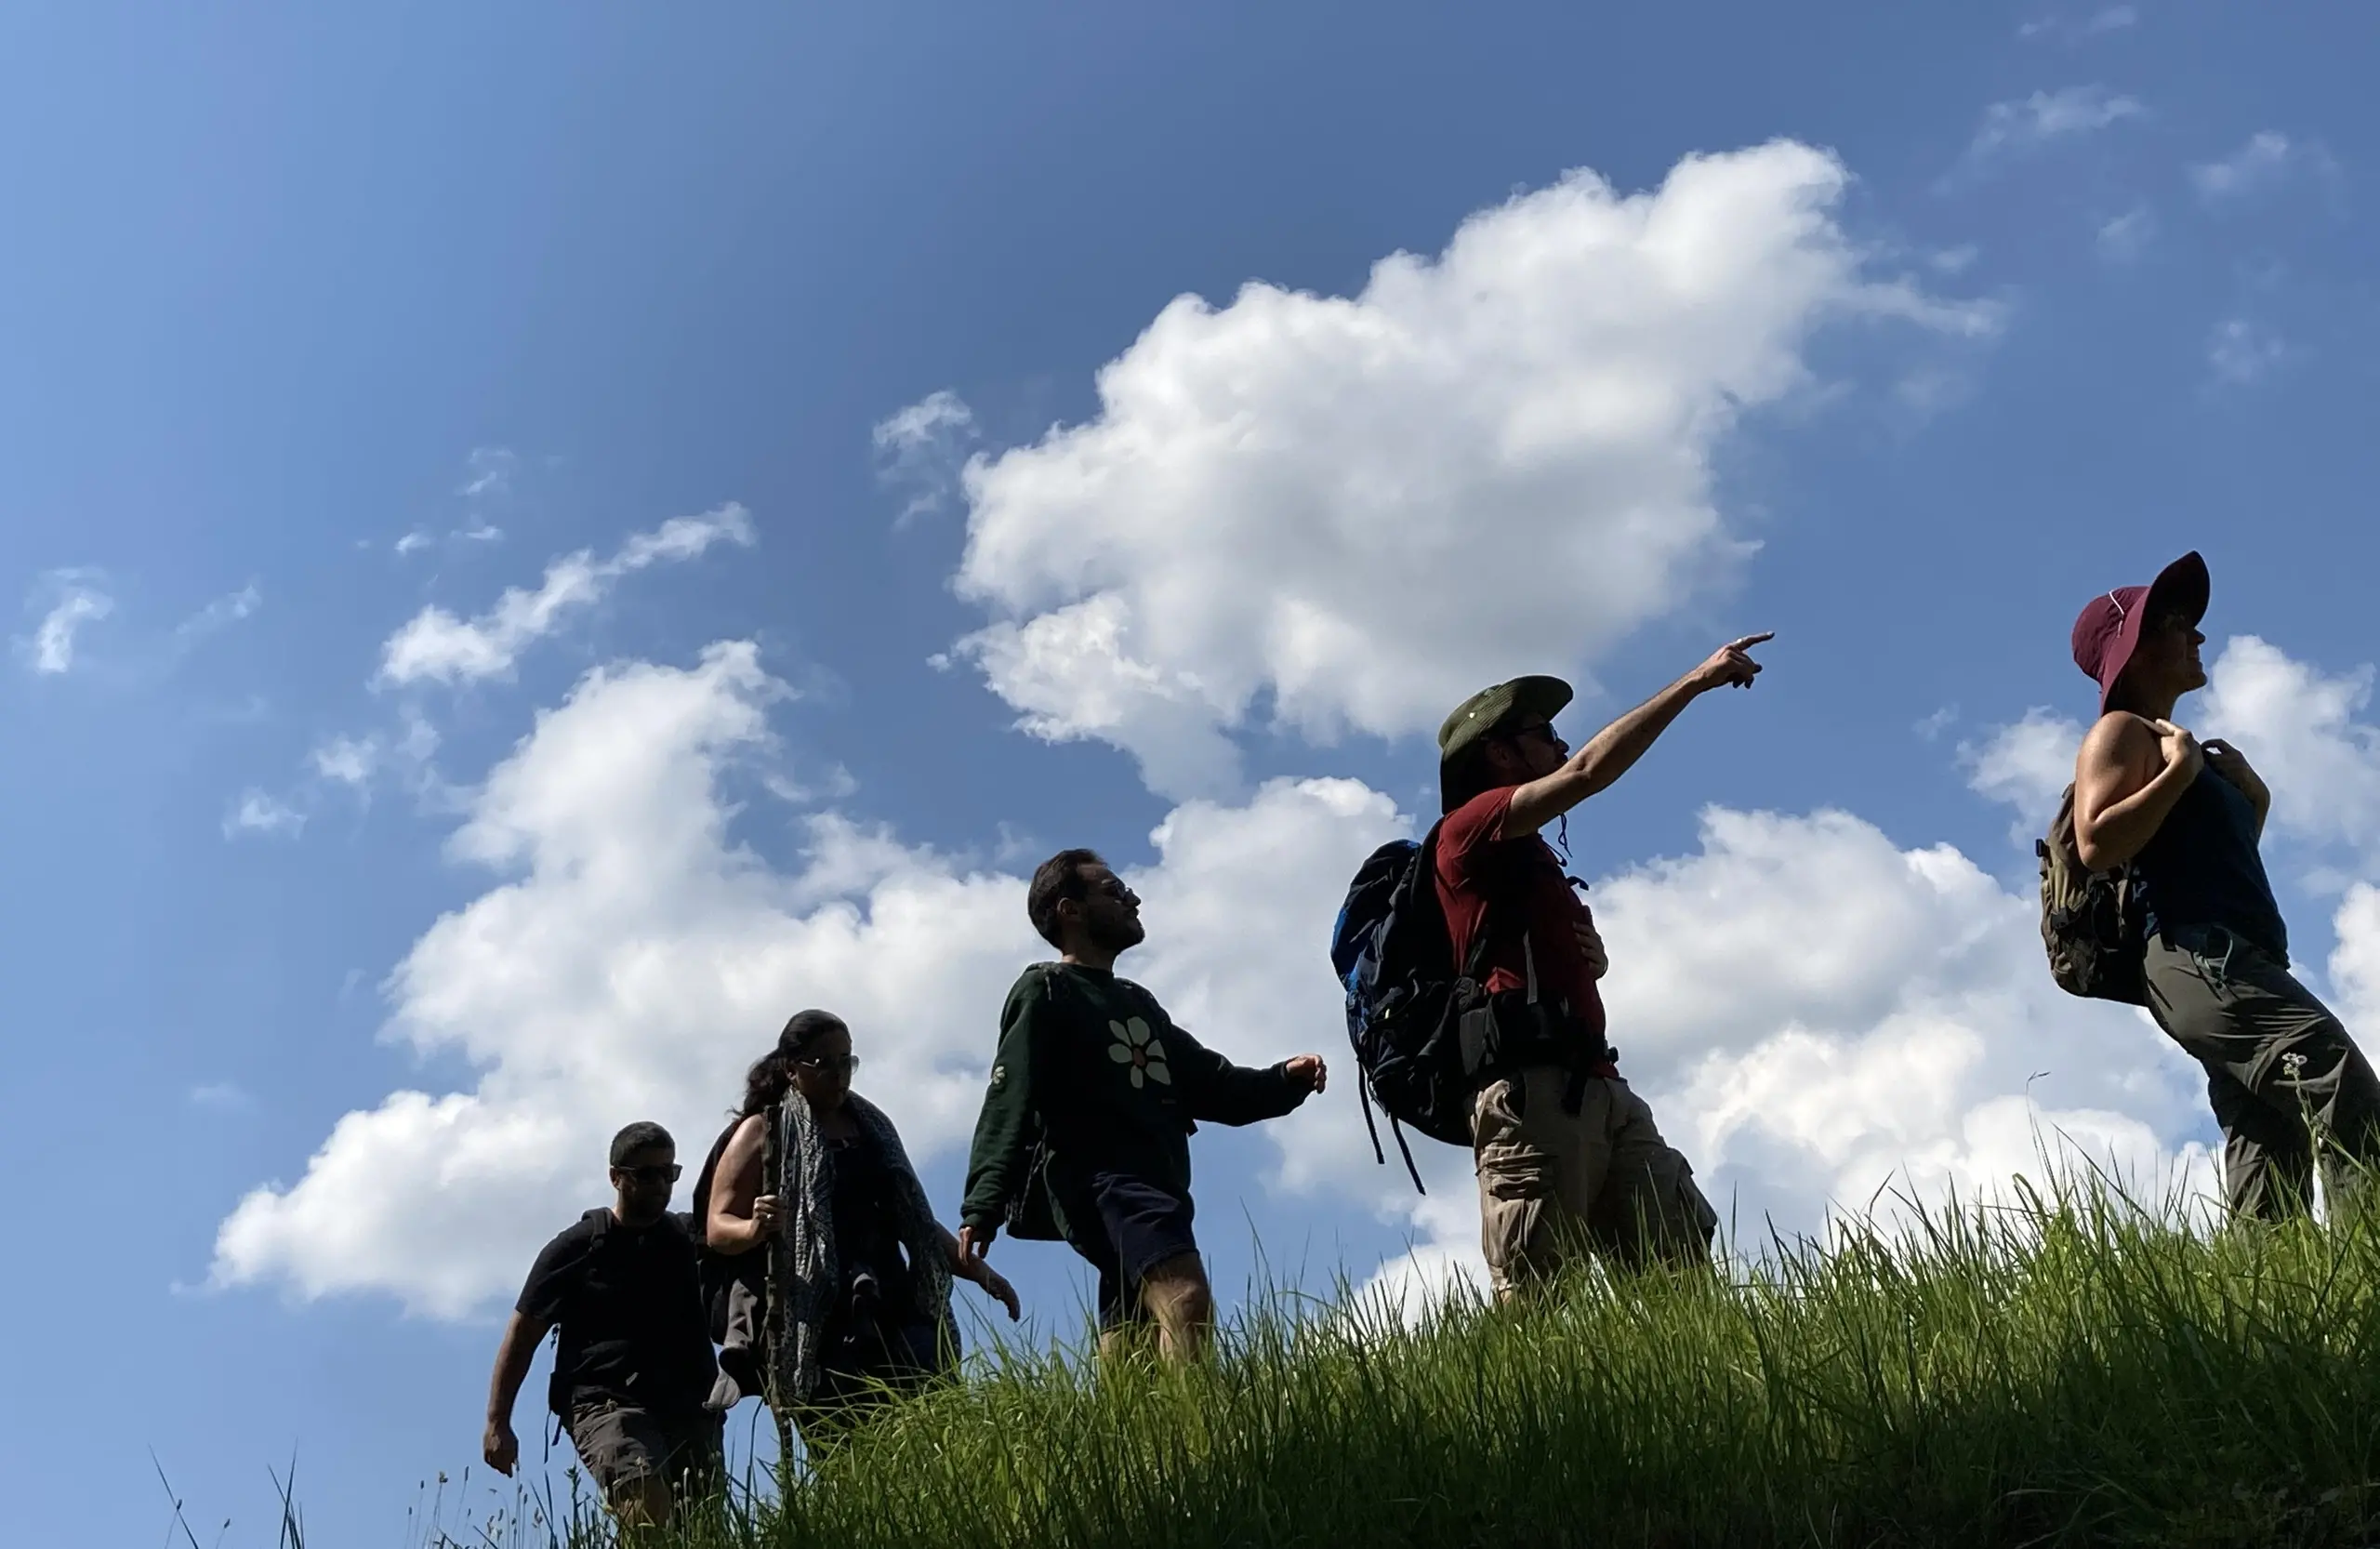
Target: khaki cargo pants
x,y
1551,1181
2282,1075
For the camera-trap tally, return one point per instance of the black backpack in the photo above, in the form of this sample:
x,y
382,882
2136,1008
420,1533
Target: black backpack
x,y
2092,924
1406,997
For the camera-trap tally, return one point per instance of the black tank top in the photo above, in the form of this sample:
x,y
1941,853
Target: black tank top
x,y
2203,868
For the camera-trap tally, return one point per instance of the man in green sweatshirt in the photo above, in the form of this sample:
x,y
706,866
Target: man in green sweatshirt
x,y
1094,1096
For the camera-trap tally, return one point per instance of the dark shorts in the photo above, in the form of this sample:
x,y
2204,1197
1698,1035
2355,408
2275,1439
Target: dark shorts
x,y
1141,1225
621,1444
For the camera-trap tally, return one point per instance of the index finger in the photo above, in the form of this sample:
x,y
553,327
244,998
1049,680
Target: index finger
x,y
1750,640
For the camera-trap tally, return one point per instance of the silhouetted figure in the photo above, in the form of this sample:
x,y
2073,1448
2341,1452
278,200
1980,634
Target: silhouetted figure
x,y
2281,1074
633,1369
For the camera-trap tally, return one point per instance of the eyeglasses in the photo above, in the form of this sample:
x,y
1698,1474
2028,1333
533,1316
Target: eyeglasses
x,y
830,1064
1113,888
1543,728
650,1176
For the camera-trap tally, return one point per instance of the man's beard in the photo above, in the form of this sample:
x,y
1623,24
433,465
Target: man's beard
x,y
1124,934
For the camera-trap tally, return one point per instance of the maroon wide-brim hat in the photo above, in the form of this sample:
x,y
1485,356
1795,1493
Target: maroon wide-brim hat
x,y
2107,631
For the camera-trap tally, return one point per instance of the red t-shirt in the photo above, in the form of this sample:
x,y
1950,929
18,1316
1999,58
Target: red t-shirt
x,y
1538,913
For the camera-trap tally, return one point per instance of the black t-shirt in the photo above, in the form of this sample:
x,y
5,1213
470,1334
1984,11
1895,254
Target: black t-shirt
x,y
630,1306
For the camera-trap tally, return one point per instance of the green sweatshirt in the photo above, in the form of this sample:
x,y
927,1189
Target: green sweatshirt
x,y
1090,1066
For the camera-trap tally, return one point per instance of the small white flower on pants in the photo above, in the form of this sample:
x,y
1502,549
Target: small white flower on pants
x,y
1137,1047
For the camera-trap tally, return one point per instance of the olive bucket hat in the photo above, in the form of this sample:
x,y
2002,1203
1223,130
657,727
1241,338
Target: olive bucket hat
x,y
1491,707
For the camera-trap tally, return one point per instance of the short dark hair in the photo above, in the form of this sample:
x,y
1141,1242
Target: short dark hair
x,y
1056,880
642,1135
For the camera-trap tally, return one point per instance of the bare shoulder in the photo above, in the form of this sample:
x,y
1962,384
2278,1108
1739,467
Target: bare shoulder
x,y
2119,734
745,1142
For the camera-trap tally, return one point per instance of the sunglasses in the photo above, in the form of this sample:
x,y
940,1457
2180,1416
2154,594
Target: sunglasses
x,y
669,1174
830,1064
1543,728
1113,888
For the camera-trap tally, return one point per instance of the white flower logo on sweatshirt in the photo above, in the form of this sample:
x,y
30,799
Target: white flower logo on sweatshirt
x,y
1137,1047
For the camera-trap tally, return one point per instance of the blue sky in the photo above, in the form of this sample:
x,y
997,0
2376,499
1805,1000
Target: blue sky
x,y
328,330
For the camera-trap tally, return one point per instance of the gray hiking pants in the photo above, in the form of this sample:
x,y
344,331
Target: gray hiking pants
x,y
2285,1080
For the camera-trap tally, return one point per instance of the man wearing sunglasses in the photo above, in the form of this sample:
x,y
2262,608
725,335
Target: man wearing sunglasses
x,y
1567,1155
633,1369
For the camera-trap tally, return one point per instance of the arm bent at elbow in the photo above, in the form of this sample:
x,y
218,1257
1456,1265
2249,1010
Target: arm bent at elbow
x,y
741,1217
2127,779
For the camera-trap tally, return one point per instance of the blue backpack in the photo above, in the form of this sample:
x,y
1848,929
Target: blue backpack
x,y
1406,997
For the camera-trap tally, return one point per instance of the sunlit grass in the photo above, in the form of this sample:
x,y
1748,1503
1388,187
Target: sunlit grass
x,y
2071,1369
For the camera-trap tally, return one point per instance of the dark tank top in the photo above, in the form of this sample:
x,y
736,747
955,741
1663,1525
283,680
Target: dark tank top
x,y
2203,868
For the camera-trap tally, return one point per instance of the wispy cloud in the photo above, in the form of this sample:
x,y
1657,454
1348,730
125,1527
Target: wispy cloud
x,y
487,472
422,537
220,613
2024,125
221,1097
436,644
2071,29
259,816
921,448
2242,352
2266,158
74,599
2125,237
348,760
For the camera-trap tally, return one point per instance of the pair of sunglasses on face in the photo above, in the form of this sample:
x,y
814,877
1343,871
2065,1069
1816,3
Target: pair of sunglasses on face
x,y
829,1064
651,1176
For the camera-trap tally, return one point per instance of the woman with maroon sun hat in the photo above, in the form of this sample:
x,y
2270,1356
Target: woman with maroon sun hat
x,y
2285,1080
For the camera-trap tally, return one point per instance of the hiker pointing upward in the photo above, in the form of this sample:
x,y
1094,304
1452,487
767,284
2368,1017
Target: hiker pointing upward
x,y
2185,818
1567,1153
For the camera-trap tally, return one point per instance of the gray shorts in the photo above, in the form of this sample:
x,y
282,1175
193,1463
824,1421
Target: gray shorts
x,y
621,1445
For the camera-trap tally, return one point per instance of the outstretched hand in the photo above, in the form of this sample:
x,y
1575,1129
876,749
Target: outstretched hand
x,y
994,1285
1307,1073
1731,665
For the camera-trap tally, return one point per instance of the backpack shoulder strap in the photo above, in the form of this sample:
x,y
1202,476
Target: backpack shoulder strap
x,y
1426,859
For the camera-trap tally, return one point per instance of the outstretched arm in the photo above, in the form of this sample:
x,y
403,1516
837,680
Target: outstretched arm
x,y
969,1265
1215,1089
1612,752
499,1446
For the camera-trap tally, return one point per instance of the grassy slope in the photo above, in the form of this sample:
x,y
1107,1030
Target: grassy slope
x,y
2068,1374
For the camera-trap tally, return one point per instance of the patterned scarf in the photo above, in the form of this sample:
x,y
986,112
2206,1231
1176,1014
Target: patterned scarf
x,y
804,1278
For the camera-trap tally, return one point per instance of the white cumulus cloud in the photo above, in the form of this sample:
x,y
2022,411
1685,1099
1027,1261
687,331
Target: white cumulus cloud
x,y
2027,764
630,960
437,645
2301,728
1350,512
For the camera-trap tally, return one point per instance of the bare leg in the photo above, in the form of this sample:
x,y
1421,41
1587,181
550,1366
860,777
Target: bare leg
x,y
1177,1295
